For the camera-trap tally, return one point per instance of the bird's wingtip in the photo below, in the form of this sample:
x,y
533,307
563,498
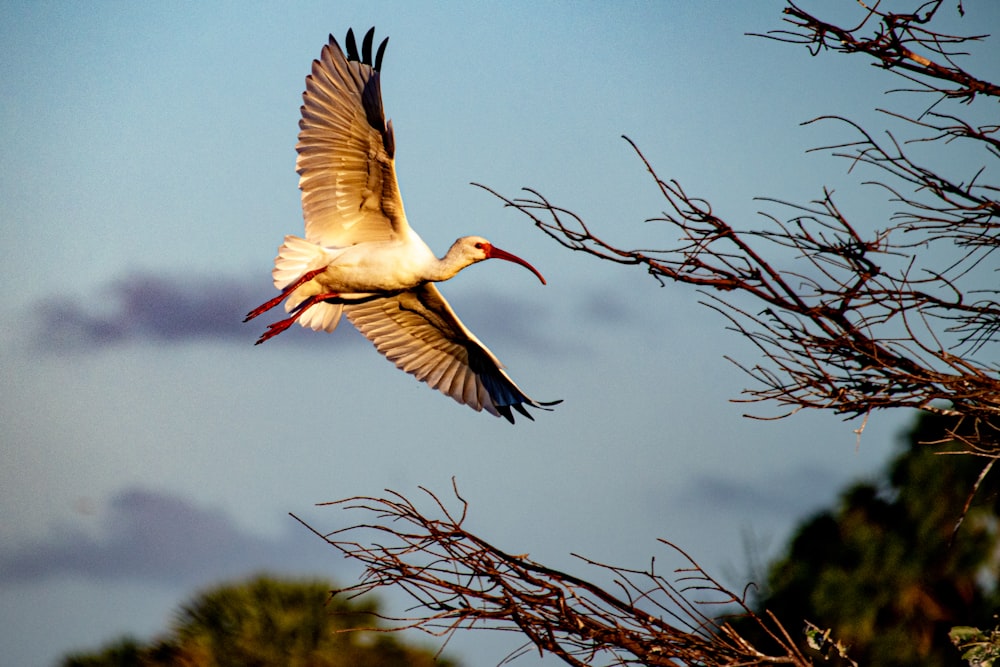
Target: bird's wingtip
x,y
506,412
364,54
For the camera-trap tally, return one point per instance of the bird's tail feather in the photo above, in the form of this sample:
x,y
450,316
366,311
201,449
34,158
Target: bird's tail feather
x,y
296,257
322,316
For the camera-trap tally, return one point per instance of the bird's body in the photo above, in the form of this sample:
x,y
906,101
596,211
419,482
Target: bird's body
x,y
360,257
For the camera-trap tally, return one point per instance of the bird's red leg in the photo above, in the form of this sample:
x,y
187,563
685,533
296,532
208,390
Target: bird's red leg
x,y
276,328
264,307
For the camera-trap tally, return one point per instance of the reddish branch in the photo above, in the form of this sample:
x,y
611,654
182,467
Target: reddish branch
x,y
902,42
459,580
859,319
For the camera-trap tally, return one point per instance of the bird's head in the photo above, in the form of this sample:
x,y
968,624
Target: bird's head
x,y
476,249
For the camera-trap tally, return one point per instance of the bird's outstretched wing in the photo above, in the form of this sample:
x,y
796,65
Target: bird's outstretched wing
x,y
346,150
419,332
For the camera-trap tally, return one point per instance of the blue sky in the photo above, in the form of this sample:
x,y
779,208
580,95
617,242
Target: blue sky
x,y
147,178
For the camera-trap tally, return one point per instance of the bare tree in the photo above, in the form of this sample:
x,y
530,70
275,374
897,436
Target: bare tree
x,y
460,581
862,319
859,320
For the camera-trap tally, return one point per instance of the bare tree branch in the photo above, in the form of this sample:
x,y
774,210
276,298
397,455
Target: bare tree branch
x,y
458,580
901,43
859,319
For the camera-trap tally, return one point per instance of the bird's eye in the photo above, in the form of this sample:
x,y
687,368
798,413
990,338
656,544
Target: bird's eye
x,y
479,246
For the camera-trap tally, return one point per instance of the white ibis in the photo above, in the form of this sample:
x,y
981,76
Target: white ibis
x,y
360,256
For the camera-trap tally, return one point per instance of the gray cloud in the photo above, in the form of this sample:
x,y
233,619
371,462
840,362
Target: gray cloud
x,y
147,307
497,316
151,536
780,495
606,306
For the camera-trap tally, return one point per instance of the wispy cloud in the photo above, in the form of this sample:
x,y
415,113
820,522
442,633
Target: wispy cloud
x,y
779,495
151,536
498,317
145,306
606,306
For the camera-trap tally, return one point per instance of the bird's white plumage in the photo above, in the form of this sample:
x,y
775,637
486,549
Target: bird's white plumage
x,y
345,163
419,332
359,255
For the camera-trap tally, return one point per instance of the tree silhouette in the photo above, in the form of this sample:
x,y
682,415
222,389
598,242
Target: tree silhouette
x,y
460,581
265,622
886,568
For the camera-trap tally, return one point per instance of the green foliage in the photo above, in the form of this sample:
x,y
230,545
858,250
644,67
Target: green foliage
x,y
979,648
886,570
265,622
123,653
820,641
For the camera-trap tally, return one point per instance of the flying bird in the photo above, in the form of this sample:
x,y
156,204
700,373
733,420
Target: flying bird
x,y
361,258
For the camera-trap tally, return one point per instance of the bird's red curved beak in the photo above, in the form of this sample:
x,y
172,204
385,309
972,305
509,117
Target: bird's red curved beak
x,y
493,252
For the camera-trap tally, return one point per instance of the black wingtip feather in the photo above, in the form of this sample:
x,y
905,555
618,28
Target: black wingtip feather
x,y
366,46
520,408
505,411
364,55
352,46
379,54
